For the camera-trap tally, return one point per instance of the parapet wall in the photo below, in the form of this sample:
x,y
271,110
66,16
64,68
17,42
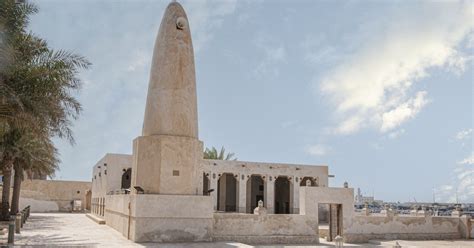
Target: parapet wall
x,y
365,228
265,229
52,195
160,218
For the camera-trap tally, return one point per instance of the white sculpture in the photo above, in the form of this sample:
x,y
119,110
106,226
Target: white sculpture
x,y
260,209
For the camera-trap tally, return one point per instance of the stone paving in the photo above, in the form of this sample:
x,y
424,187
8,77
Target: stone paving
x,y
76,230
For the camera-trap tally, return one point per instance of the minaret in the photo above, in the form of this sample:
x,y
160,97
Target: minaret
x,y
171,107
165,157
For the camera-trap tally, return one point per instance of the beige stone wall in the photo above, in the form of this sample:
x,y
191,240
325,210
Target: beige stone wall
x,y
312,197
364,228
52,195
160,218
243,171
265,229
117,213
109,178
471,228
269,169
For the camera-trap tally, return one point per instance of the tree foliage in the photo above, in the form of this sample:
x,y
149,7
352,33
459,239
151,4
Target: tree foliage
x,y
37,96
212,153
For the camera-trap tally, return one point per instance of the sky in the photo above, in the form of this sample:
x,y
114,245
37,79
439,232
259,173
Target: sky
x,y
380,91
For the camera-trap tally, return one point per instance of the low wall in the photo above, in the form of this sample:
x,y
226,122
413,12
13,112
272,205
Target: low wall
x,y
364,228
52,195
160,218
265,229
471,228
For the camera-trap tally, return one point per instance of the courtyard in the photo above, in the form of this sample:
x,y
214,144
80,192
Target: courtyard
x,y
64,229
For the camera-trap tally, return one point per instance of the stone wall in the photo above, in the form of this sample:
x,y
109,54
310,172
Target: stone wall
x,y
364,228
213,170
52,195
117,213
265,229
471,229
160,218
107,173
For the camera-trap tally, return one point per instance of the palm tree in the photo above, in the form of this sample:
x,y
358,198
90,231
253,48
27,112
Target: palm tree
x,y
36,89
213,154
7,143
36,154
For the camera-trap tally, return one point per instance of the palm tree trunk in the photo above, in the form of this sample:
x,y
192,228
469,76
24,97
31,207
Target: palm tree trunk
x,y
7,176
16,189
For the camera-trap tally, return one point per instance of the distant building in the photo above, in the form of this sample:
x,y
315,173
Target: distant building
x,y
361,199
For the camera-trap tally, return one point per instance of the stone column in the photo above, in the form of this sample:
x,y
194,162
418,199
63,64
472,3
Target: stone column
x,y
200,182
269,195
214,178
102,206
465,226
222,185
296,196
333,220
242,204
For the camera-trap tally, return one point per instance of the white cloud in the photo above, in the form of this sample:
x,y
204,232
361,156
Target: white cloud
x,y
317,150
396,134
317,51
373,86
350,125
205,17
468,161
461,187
403,112
273,55
464,134
140,60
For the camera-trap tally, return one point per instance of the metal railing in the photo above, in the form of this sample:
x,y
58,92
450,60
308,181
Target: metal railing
x,y
16,223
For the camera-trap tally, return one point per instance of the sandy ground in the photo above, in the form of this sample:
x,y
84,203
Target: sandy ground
x,y
76,230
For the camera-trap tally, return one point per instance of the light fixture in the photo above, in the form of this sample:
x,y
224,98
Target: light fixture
x,y
139,190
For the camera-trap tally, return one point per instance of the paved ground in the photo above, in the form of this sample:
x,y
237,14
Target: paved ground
x,y
76,230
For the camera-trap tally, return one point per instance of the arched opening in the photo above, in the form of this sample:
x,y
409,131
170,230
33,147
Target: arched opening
x,y
255,192
227,193
282,195
127,178
205,184
314,182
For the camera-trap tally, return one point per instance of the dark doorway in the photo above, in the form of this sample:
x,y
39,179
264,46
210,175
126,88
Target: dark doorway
x,y
227,193
205,184
255,192
127,178
282,195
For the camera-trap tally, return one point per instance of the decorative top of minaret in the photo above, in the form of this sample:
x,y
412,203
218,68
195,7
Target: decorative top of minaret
x,y
171,106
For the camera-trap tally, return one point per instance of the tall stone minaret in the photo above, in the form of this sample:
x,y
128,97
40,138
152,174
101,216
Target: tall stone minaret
x,y
171,107
165,157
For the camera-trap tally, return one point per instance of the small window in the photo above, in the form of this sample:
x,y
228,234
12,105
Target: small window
x,y
260,187
175,172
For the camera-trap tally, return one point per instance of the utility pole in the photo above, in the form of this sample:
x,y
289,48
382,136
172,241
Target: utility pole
x,y
457,200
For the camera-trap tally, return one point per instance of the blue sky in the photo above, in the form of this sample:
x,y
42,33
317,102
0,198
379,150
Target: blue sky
x,y
382,92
